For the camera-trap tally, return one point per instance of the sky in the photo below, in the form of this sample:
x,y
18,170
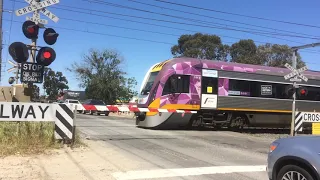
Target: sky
x,y
80,29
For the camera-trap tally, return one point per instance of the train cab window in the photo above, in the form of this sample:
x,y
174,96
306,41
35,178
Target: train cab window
x,y
209,85
177,84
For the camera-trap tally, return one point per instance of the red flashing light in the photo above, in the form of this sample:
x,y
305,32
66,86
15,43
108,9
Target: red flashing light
x,y
30,30
47,55
302,91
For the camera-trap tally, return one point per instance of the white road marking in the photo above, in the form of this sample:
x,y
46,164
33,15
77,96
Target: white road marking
x,y
161,173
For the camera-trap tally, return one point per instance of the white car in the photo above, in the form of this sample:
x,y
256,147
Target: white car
x,y
75,102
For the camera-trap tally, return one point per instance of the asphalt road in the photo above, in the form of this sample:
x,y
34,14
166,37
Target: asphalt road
x,y
177,154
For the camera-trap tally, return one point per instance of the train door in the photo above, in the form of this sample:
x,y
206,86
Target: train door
x,y
209,89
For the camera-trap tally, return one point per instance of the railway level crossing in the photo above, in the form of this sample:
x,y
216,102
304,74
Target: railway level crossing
x,y
294,77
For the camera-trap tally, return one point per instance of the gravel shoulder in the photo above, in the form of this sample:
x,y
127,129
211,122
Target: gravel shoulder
x,y
84,163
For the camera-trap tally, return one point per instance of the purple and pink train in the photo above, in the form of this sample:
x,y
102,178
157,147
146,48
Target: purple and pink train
x,y
223,94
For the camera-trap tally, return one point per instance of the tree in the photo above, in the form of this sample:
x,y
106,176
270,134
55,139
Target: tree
x,y
277,55
127,92
54,83
35,92
202,46
245,51
101,75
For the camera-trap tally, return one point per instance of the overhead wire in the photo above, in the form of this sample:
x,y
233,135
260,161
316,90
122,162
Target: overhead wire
x,y
212,17
107,34
9,39
175,22
118,35
249,30
235,14
149,24
117,5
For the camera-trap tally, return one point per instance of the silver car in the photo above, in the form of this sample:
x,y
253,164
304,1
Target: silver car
x,y
294,158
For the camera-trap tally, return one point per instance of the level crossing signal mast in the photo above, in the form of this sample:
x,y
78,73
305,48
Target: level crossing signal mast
x,y
32,72
45,56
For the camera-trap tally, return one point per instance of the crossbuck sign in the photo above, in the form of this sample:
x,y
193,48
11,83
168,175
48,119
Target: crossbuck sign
x,y
295,72
37,7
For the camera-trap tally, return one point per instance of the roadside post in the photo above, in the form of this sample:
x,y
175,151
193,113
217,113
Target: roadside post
x,y
74,125
294,77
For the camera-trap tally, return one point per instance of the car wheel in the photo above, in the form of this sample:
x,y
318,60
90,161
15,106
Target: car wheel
x,y
106,114
291,172
91,112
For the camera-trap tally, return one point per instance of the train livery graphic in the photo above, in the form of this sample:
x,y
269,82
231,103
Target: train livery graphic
x,y
224,94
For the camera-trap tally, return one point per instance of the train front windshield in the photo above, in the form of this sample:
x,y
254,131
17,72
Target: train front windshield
x,y
148,85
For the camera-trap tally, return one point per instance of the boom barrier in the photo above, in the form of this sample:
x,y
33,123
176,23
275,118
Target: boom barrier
x,y
114,108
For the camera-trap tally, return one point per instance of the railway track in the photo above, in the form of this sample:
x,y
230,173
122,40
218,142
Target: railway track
x,y
255,130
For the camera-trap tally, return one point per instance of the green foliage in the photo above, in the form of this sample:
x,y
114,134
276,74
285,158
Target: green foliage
x,y
202,46
35,92
277,55
244,51
101,75
54,83
205,46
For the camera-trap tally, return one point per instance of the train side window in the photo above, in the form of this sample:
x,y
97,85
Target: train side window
x,y
177,84
239,88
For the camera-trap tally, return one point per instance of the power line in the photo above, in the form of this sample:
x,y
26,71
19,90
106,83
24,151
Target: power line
x,y
9,39
140,22
156,25
106,34
182,23
235,14
212,17
252,31
156,32
237,38
121,27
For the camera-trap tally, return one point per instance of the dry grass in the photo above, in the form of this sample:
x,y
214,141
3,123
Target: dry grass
x,y
28,138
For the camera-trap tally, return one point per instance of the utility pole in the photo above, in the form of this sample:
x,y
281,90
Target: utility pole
x,y
1,7
294,65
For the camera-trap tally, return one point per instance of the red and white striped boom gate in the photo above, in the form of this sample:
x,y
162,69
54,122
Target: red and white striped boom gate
x,y
114,108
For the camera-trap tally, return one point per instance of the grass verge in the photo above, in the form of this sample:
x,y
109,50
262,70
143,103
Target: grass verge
x,y
29,138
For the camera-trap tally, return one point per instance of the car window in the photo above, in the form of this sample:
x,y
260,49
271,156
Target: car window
x,y
97,102
72,101
86,102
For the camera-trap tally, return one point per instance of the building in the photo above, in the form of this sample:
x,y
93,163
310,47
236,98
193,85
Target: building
x,y
79,95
